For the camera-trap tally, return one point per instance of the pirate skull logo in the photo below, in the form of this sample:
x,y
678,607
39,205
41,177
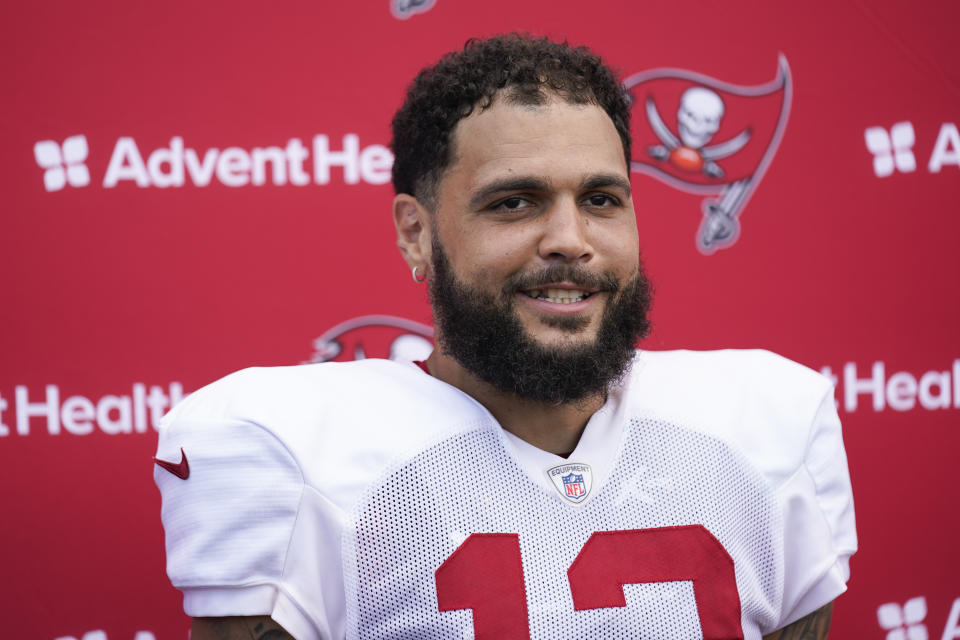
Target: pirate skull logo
x,y
698,120
699,116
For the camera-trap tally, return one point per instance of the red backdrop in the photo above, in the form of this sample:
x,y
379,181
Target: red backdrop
x,y
178,207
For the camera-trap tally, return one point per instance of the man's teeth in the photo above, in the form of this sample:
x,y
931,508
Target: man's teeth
x,y
559,296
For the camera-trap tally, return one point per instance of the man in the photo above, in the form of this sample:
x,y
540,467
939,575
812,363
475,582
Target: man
x,y
535,477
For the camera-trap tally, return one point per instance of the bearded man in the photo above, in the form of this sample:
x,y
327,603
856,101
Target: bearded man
x,y
536,476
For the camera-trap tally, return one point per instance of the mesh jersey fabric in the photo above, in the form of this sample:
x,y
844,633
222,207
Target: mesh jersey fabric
x,y
328,496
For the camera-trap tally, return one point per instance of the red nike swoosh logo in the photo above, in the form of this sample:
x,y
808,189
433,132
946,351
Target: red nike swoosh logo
x,y
181,470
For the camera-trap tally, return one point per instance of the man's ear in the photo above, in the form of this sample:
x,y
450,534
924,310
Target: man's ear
x,y
414,233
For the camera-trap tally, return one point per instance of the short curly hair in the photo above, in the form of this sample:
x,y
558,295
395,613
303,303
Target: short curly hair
x,y
528,70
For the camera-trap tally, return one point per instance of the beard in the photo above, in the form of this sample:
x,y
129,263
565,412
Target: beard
x,y
483,333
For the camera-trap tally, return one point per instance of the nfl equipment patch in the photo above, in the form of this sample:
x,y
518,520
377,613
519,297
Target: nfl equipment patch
x,y
572,481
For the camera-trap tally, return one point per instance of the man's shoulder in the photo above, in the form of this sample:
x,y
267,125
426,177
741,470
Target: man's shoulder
x,y
745,359
741,372
332,404
762,404
306,388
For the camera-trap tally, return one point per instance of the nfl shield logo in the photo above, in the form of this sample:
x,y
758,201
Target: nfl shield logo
x,y
572,480
574,486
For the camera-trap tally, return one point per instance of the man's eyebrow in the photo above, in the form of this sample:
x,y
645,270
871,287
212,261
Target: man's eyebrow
x,y
607,180
488,191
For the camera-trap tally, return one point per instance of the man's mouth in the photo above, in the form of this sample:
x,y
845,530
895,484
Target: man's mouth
x,y
558,296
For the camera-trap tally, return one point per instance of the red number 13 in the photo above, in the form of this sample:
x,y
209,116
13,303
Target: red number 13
x,y
485,574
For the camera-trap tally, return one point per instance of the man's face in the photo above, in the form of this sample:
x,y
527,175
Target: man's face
x,y
535,236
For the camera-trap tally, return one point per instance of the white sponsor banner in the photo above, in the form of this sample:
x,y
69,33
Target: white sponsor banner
x,y
320,162
875,386
31,410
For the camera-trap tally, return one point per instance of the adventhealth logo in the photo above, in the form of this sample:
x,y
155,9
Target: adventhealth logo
x,y
178,165
893,149
909,621
102,635
904,622
63,164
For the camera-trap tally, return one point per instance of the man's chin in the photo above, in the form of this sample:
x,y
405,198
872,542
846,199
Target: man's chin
x,y
547,327
563,338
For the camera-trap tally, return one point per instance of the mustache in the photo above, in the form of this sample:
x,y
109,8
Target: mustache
x,y
552,274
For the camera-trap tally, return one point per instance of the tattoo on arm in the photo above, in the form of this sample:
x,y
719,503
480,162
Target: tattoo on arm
x,y
812,627
266,630
238,628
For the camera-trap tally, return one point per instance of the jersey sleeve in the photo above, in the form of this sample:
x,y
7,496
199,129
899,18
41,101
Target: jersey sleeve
x,y
819,528
232,524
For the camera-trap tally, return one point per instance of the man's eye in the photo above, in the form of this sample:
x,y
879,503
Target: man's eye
x,y
601,200
512,203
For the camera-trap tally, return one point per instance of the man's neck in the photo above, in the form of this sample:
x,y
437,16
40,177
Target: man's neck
x,y
551,427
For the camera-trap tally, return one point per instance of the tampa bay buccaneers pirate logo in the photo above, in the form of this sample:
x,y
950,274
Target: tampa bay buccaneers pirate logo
x,y
374,336
709,137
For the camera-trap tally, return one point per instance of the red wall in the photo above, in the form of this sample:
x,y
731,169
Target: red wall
x,y
115,296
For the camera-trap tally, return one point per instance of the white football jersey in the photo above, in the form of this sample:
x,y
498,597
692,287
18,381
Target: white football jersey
x,y
708,498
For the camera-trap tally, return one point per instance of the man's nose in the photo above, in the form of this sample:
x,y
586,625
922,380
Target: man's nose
x,y
565,234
